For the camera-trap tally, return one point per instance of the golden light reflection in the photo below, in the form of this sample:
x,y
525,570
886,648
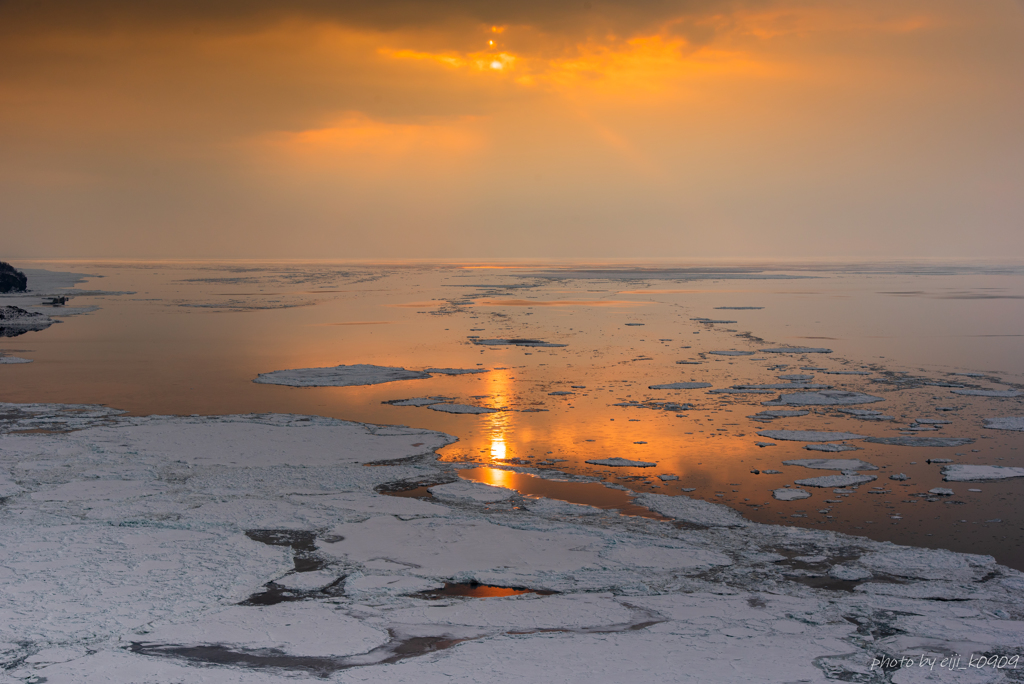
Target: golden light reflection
x,y
499,424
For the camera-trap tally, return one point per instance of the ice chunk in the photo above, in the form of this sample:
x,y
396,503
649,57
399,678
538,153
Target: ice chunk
x,y
474,491
13,359
832,464
305,628
830,447
899,477
419,401
848,573
456,371
461,408
782,385
694,511
516,341
798,350
940,491
823,398
987,393
339,376
1015,423
865,414
836,480
731,352
979,473
621,463
808,435
667,477
795,377
785,494
921,441
680,385
781,413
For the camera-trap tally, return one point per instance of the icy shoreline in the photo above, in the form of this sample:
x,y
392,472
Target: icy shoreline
x,y
155,549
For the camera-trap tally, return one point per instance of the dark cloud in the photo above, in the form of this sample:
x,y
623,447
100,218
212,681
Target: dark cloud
x,y
621,17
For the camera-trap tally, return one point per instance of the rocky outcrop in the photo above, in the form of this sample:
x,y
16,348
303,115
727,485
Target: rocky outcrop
x,y
11,279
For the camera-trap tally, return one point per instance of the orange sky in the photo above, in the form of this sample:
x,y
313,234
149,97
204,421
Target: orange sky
x,y
462,128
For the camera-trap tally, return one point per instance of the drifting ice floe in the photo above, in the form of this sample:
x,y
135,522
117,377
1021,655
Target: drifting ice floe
x,y
14,359
680,385
730,352
836,480
419,401
473,491
780,413
621,463
832,464
785,494
823,398
693,511
798,350
831,447
921,441
516,342
461,408
808,435
339,376
979,473
866,414
987,393
1015,423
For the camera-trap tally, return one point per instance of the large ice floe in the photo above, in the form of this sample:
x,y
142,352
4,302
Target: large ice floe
x,y
823,398
808,435
266,548
979,473
355,374
1015,423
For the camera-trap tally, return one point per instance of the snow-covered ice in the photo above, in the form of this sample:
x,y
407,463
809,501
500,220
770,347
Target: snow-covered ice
x,y
987,393
979,473
832,464
339,376
836,480
798,350
621,463
461,408
808,435
680,385
126,559
1015,423
786,494
921,441
831,447
823,398
13,359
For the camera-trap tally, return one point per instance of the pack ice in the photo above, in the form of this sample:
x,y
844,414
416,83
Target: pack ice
x,y
260,548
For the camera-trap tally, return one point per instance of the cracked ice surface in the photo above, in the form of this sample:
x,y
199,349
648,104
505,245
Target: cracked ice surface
x,y
124,558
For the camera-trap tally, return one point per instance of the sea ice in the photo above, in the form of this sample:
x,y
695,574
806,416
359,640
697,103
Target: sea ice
x,y
979,473
419,401
730,352
339,376
786,494
693,511
940,491
517,342
832,464
798,350
781,385
823,398
455,371
13,359
474,491
621,463
680,385
781,413
921,441
836,480
866,414
461,408
808,435
987,393
1015,423
830,447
